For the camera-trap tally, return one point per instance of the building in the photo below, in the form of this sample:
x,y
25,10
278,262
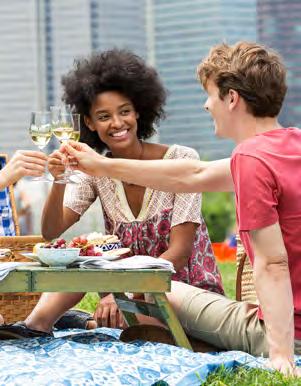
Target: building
x,y
184,31
38,44
279,26
20,71
39,40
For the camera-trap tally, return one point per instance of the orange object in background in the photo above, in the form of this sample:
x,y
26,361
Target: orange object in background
x,y
223,252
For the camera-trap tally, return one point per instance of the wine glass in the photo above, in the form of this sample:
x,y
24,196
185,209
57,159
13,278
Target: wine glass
x,y
40,132
65,126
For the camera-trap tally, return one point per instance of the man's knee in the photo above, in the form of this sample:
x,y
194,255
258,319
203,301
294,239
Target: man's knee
x,y
179,292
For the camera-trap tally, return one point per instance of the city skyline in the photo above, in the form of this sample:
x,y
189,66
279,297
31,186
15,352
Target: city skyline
x,y
41,38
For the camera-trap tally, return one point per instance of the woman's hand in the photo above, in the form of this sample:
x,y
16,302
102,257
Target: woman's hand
x,y
56,164
82,157
23,163
107,313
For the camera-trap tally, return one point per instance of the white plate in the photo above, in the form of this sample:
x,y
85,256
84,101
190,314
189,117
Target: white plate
x,y
31,256
104,256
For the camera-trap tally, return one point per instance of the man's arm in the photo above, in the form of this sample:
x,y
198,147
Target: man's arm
x,y
273,287
177,176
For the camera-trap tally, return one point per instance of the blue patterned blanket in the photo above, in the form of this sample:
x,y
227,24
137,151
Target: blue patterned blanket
x,y
97,357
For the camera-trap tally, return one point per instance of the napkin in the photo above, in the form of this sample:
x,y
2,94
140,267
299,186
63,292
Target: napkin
x,y
134,262
6,268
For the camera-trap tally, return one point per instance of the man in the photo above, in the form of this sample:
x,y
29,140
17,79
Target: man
x,y
246,86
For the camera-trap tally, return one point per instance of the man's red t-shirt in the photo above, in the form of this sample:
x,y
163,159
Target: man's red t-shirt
x,y
266,171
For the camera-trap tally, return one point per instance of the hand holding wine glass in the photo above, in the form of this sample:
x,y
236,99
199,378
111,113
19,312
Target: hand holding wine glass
x,y
56,164
23,163
83,158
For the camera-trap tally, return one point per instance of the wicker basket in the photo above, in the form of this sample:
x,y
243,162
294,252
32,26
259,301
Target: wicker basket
x,y
18,305
245,289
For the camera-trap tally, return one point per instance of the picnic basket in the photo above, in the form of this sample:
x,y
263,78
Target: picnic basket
x,y
245,289
17,305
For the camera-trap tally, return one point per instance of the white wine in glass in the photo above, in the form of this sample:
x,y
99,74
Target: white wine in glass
x,y
40,139
63,133
65,126
75,135
40,133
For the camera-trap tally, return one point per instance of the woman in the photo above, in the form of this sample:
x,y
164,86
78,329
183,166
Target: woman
x,y
23,163
120,99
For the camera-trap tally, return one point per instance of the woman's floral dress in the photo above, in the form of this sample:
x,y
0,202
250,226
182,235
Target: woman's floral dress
x,y
148,234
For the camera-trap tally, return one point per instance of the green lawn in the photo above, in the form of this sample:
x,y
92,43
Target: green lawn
x,y
228,272
249,377
223,377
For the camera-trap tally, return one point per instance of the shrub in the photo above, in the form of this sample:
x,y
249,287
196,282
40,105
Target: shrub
x,y
218,209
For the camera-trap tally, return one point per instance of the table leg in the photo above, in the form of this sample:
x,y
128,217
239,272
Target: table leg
x,y
129,317
171,320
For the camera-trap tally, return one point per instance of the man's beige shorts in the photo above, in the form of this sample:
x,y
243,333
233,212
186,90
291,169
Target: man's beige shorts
x,y
225,323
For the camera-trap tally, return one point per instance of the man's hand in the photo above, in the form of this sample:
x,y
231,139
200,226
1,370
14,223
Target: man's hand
x,y
108,314
285,366
56,164
82,157
23,163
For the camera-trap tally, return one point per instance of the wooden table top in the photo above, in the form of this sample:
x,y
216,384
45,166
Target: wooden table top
x,y
50,279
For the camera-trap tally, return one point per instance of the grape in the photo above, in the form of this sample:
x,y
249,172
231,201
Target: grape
x,y
60,242
83,240
76,240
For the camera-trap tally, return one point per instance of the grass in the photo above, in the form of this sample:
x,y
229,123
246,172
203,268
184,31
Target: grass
x,y
228,272
240,376
89,302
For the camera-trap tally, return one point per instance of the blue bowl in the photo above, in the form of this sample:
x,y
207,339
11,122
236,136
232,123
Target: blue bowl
x,y
110,246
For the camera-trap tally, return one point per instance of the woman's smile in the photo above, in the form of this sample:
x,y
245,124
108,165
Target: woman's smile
x,y
121,134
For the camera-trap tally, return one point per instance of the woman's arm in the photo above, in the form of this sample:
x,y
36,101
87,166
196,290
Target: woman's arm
x,y
180,245
55,217
23,163
176,176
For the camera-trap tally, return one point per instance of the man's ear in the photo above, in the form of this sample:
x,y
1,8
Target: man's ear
x,y
88,123
233,99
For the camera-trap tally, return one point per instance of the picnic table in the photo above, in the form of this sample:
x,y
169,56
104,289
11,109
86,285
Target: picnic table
x,y
156,282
